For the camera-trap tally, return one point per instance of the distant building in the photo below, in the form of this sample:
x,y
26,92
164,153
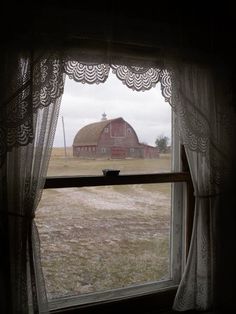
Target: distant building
x,y
114,138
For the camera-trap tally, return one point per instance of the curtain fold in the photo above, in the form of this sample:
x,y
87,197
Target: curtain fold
x,y
30,99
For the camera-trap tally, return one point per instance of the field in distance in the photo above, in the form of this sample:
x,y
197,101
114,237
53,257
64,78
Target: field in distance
x,y
69,165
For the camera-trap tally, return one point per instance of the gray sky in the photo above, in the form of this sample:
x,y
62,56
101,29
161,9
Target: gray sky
x,y
147,112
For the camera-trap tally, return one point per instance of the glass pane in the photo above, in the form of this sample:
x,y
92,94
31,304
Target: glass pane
x,y
95,239
110,126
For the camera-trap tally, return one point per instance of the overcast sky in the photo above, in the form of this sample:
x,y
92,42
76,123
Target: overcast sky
x,y
146,112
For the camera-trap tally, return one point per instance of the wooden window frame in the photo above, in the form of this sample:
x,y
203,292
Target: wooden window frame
x,y
159,299
85,181
163,298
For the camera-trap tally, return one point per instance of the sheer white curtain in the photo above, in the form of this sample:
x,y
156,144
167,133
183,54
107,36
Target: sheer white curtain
x,y
202,101
31,86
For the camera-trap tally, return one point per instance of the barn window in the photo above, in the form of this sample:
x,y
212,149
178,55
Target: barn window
x,y
113,236
106,130
129,131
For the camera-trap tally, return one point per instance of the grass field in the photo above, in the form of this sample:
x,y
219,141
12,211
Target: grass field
x,y
59,165
101,238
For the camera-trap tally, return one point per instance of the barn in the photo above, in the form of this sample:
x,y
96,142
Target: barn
x,y
114,138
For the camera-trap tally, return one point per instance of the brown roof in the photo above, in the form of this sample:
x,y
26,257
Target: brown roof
x,y
89,134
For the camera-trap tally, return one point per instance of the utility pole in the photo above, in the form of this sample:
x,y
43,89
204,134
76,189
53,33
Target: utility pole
x,y
64,136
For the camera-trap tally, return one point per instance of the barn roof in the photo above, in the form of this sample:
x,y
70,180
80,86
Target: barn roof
x,y
89,134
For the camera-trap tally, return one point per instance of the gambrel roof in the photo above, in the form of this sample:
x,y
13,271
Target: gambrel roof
x,y
90,134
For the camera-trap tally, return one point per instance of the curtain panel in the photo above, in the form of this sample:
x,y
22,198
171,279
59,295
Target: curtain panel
x,y
31,89
203,102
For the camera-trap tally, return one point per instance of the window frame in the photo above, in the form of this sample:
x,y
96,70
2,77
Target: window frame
x,y
157,296
69,303
57,182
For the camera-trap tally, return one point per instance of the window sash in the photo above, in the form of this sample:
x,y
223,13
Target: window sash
x,y
85,181
55,182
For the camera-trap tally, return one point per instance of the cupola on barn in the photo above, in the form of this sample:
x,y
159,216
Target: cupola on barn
x,y
114,138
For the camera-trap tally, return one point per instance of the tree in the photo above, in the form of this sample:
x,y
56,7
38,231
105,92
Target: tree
x,y
161,143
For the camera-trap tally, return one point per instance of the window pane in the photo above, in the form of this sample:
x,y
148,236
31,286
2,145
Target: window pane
x,y
111,126
101,238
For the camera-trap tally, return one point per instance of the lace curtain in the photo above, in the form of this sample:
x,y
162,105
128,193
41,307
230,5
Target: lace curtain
x,y
29,110
30,96
202,100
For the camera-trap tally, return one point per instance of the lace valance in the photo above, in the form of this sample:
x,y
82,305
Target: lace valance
x,y
134,77
137,78
91,73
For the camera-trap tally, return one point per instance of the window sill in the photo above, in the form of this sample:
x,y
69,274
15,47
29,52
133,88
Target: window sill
x,y
145,302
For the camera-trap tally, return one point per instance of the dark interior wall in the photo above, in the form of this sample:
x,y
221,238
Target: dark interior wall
x,y
188,31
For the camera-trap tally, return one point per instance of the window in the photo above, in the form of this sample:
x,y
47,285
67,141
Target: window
x,y
113,237
129,131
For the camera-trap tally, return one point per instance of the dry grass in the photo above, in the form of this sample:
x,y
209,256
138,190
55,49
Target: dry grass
x,y
59,165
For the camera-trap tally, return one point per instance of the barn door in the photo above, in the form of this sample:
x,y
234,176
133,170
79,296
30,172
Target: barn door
x,y
118,152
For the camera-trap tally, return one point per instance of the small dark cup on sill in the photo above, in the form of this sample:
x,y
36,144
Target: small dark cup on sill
x,y
110,172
